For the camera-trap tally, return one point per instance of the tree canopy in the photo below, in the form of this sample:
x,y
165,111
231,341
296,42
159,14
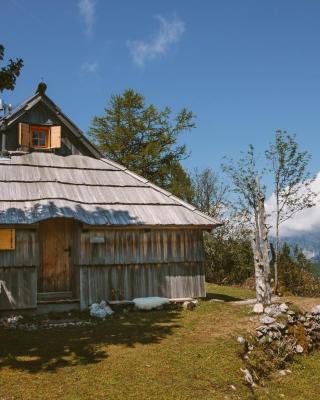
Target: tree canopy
x,y
144,139
10,72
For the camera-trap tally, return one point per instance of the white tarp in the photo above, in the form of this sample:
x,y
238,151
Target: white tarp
x,y
100,310
149,303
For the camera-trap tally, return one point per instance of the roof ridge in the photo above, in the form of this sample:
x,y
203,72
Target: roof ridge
x,y
19,107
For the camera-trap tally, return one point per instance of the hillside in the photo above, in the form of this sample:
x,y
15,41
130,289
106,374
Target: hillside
x,y
169,354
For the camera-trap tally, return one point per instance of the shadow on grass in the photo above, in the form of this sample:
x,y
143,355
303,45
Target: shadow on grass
x,y
223,297
49,350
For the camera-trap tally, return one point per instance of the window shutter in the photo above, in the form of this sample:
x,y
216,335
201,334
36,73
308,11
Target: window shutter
x,y
7,239
55,137
24,134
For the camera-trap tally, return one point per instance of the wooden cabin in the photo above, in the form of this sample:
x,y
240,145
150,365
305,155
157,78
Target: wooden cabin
x,y
76,227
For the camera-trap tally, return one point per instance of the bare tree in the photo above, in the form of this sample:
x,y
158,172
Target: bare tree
x,y
245,178
292,183
208,192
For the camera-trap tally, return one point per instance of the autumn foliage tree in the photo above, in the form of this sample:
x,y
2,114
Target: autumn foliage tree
x,y
144,139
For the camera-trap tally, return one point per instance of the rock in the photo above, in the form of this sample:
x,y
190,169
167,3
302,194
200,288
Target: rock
x,y
258,308
299,349
263,328
241,340
272,310
283,372
266,320
316,310
283,308
189,305
248,377
279,326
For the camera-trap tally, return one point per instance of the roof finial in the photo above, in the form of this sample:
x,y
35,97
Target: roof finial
x,y
41,89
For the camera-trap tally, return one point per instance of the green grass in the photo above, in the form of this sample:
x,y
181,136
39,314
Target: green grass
x,y
169,354
228,293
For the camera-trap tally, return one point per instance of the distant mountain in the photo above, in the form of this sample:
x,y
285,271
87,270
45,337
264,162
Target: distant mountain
x,y
309,242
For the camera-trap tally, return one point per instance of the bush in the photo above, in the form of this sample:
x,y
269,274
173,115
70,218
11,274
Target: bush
x,y
228,260
297,274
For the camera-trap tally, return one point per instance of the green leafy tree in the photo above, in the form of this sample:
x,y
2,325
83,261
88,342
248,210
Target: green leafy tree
x,y
10,72
143,138
291,180
229,258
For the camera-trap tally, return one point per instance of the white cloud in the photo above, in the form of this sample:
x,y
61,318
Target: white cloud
x,y
89,67
170,32
307,220
87,12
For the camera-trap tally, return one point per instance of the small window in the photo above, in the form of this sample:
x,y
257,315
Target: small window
x,y
39,137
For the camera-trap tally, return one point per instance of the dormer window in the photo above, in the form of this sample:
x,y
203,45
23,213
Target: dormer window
x,y
39,137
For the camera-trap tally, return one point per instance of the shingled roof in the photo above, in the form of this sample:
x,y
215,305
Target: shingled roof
x,y
39,186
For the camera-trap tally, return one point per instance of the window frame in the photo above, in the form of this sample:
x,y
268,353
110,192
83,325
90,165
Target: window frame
x,y
37,128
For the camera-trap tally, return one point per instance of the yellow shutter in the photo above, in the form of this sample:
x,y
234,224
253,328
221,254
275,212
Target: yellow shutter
x,y
7,239
55,137
24,134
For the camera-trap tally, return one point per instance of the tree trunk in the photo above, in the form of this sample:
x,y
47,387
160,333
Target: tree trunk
x,y
260,246
276,255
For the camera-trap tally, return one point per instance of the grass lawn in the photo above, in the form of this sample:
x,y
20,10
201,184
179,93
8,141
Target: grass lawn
x,y
172,354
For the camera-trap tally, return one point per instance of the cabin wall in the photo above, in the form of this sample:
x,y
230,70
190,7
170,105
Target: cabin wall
x,y
18,272
138,263
131,262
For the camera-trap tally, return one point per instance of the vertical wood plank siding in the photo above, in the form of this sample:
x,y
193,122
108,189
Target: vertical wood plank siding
x,y
26,253
134,262
18,272
167,280
140,247
140,263
18,288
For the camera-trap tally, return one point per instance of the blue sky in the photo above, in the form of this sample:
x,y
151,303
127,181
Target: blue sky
x,y
245,68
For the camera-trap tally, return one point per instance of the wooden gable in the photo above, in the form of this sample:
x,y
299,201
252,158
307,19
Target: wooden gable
x,y
64,139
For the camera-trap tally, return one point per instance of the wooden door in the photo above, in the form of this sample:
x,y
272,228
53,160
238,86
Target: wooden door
x,y
56,247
